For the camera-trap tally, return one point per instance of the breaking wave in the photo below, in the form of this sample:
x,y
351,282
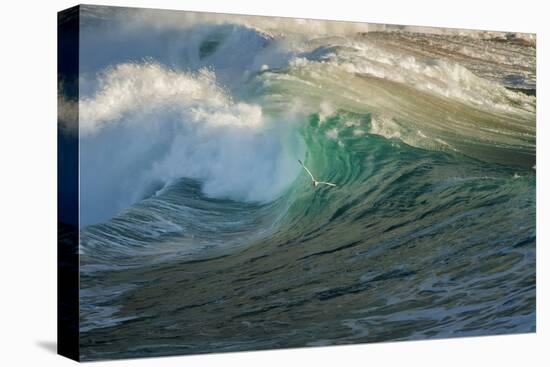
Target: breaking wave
x,y
189,154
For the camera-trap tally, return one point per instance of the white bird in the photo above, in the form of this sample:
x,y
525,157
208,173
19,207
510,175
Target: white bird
x,y
314,181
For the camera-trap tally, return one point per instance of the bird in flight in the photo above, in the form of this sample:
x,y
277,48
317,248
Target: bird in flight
x,y
314,181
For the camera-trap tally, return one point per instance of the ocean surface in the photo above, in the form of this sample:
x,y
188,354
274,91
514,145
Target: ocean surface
x,y
200,232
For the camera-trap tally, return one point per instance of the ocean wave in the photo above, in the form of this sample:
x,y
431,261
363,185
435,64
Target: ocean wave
x,y
194,207
232,122
146,125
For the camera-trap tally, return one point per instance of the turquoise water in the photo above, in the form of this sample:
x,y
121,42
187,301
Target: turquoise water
x,y
201,233
411,244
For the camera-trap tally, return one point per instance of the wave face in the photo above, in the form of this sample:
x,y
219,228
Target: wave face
x,y
200,231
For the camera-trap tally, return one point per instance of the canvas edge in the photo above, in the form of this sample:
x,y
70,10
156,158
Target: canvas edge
x,y
68,45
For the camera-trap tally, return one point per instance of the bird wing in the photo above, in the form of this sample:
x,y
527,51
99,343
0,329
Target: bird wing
x,y
309,173
327,183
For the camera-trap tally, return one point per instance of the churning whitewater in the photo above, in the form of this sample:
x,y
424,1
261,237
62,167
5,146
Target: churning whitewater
x,y
200,231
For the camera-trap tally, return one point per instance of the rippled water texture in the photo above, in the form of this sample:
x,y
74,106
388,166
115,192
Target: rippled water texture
x,y
200,232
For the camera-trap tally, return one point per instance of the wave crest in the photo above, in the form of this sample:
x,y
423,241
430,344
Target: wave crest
x,y
146,125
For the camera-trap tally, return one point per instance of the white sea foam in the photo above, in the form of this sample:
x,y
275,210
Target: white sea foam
x,y
146,124
438,76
